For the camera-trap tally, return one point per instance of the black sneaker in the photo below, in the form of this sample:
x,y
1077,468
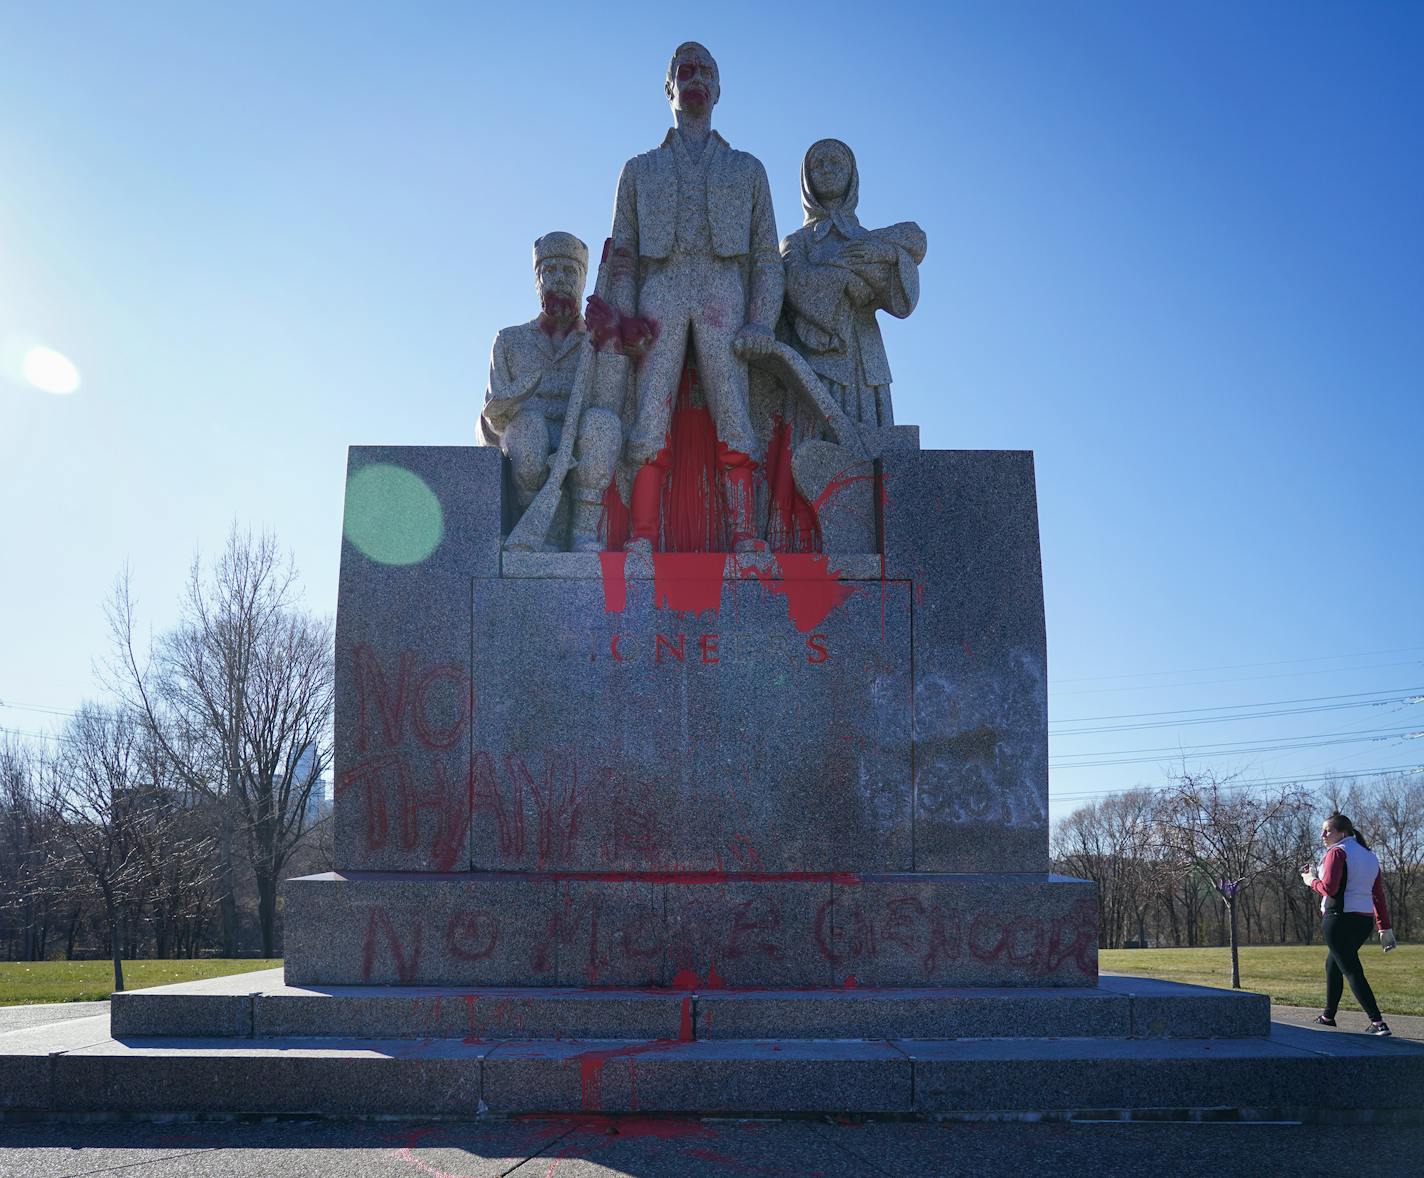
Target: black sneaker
x,y
1325,1020
1380,1027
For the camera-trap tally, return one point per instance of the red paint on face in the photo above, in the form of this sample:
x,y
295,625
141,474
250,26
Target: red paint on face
x,y
810,586
615,585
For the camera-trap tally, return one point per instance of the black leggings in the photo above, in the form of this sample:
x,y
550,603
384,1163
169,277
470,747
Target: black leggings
x,y
1343,935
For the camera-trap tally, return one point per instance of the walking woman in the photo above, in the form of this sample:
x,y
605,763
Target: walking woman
x,y
1352,904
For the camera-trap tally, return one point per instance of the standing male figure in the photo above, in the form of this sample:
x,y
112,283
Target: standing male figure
x,y
532,369
694,258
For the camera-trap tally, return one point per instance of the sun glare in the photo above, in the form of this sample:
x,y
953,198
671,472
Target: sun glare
x,y
49,371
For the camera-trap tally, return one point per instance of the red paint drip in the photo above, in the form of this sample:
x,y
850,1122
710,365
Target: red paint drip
x,y
688,582
591,1068
684,1030
714,980
685,979
617,518
850,983
791,522
811,587
615,585
694,510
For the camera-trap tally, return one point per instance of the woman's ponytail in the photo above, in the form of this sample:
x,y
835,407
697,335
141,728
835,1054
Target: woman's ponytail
x,y
1338,821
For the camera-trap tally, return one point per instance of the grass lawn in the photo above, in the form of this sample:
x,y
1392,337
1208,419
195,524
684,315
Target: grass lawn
x,y
85,981
1293,975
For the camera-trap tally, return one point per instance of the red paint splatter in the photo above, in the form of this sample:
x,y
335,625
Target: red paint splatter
x,y
617,518
791,523
688,582
694,510
685,979
714,980
850,983
684,1029
811,587
591,1068
615,584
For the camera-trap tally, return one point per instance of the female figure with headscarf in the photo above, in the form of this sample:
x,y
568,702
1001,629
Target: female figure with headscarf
x,y
838,274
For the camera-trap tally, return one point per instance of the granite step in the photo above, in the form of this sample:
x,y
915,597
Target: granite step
x,y
75,1068
260,1005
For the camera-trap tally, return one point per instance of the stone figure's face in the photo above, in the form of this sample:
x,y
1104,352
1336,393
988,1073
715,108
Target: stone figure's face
x,y
828,169
560,284
694,86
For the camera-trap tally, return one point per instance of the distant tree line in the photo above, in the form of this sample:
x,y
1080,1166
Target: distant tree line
x,y
1178,866
160,823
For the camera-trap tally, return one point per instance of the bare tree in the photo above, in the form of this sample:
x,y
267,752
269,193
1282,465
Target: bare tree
x,y
26,853
106,793
239,696
1114,843
1221,829
1391,810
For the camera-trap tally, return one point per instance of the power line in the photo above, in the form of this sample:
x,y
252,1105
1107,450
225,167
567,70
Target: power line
x,y
1239,679
1406,694
1234,785
1360,654
1236,748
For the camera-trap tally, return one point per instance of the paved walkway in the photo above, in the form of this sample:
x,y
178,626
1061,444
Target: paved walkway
x,y
648,1148
1350,1021
19,1018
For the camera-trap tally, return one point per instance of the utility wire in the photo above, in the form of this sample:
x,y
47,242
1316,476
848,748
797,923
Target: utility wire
x,y
1317,658
1406,694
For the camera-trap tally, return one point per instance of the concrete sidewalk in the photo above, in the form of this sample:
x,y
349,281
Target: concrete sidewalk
x,y
1404,1026
594,1147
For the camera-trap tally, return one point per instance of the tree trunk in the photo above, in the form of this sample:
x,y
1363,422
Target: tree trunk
x,y
1235,957
112,916
227,884
267,911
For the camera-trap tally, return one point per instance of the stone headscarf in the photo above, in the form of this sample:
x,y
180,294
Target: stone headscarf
x,y
821,217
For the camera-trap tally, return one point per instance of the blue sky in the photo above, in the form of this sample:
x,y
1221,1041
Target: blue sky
x,y
1175,249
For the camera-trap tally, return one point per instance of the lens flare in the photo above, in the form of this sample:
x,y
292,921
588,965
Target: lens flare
x,y
49,371
392,516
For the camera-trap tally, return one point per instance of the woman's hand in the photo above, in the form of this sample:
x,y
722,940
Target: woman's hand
x,y
1387,941
1308,877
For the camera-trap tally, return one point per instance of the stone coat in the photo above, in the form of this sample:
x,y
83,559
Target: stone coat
x,y
521,355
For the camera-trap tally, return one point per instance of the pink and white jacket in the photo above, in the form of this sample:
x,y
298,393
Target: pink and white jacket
x,y
1364,885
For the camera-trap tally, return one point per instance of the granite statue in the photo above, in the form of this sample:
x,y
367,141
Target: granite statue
x,y
694,261
838,275
533,369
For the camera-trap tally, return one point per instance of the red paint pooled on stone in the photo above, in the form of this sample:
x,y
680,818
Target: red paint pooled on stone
x,y
685,979
688,582
615,586
684,1029
850,983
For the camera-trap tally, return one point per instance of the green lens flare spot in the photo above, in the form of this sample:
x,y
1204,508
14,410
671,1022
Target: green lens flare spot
x,y
392,516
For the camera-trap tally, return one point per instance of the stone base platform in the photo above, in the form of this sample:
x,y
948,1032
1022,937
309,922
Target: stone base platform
x,y
260,1005
77,1068
684,930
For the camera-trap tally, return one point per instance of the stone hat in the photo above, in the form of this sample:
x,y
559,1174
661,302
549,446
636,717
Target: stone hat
x,y
560,245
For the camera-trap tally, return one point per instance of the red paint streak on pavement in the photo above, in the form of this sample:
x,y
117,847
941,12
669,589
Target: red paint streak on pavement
x,y
688,582
811,587
615,585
